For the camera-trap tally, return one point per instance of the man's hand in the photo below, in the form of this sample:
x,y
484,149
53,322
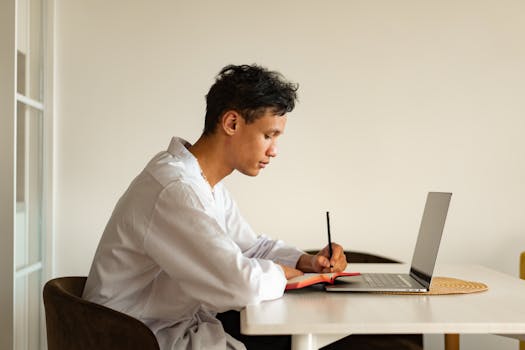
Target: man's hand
x,y
321,262
290,272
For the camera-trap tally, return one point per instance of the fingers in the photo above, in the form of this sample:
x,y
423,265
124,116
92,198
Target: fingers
x,y
338,260
322,264
290,272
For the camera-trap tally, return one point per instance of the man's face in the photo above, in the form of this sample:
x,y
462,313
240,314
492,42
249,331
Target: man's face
x,y
255,143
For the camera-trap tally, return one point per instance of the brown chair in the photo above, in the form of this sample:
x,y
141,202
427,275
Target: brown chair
x,y
355,257
75,323
360,257
374,341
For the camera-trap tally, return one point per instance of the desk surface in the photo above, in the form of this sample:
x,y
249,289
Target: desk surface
x,y
499,310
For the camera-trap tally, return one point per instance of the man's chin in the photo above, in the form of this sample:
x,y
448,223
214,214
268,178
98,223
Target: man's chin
x,y
251,173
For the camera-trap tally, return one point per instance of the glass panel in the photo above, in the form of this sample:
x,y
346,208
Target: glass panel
x,y
27,311
29,186
22,44
29,176
29,47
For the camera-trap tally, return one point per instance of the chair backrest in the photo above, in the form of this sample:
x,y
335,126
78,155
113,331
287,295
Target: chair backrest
x,y
75,323
356,257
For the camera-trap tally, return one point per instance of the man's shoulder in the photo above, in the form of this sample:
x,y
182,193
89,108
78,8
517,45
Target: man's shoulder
x,y
166,168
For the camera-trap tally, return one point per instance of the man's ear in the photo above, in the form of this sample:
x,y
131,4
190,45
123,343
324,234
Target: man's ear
x,y
230,120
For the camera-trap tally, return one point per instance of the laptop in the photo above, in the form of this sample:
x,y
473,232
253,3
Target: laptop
x,y
423,260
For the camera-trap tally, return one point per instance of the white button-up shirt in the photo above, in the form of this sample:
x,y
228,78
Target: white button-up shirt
x,y
175,252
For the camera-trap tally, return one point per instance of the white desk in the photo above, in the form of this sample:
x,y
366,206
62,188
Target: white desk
x,y
315,318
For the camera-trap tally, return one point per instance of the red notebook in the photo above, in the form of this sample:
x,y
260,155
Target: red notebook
x,y
309,279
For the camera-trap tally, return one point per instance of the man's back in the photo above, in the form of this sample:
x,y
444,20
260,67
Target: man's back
x,y
157,259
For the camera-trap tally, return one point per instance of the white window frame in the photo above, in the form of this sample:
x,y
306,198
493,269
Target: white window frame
x,y
8,105
7,168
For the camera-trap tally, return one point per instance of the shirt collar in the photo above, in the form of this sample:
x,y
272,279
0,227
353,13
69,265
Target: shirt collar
x,y
178,148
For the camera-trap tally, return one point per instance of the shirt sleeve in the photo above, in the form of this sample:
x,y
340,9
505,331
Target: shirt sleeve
x,y
188,243
253,245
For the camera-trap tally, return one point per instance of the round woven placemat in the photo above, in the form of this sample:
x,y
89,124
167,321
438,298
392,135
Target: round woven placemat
x,y
448,285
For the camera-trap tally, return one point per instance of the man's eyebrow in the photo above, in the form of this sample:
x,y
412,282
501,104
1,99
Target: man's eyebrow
x,y
275,131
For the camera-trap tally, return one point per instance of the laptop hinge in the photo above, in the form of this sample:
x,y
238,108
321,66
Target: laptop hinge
x,y
424,282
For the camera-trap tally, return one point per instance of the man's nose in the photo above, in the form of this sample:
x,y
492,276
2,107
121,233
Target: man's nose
x,y
272,151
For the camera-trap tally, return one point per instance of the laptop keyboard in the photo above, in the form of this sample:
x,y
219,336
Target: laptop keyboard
x,y
386,280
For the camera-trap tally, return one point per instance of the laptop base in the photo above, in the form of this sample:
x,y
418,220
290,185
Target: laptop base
x,y
362,283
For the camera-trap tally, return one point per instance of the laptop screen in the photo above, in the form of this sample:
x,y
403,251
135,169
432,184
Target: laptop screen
x,y
429,238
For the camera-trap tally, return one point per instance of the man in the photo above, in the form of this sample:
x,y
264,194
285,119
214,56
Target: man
x,y
176,250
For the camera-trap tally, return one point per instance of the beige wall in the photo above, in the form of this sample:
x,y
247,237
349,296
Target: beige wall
x,y
397,98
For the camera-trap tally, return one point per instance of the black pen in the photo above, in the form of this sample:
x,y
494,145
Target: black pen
x,y
329,237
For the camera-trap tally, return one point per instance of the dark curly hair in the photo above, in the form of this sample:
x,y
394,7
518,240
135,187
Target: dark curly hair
x,y
250,90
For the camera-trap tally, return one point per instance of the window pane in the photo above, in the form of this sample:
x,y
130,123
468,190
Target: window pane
x,y
29,186
27,311
29,46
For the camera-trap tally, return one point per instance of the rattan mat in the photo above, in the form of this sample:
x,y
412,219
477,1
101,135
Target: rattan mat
x,y
447,285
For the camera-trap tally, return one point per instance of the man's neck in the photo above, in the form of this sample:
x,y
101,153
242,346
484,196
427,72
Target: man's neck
x,y
210,155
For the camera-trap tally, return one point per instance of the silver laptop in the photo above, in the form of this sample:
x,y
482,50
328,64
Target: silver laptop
x,y
423,260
